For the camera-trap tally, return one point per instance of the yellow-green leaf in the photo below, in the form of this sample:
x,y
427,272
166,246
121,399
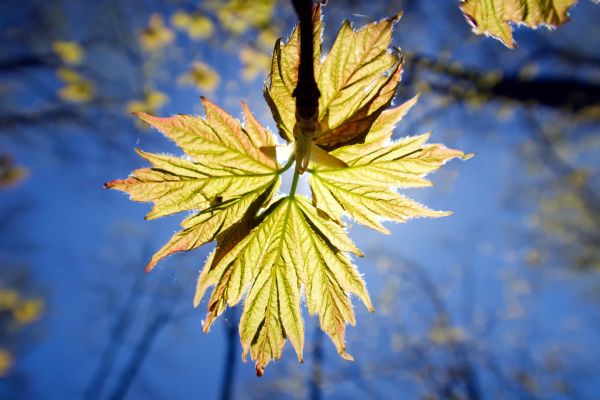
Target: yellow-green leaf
x,y
291,250
365,190
278,253
284,76
225,176
492,17
403,163
357,81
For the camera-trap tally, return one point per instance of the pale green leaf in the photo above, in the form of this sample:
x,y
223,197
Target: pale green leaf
x,y
275,254
357,81
365,190
292,248
492,17
225,176
403,163
367,205
284,76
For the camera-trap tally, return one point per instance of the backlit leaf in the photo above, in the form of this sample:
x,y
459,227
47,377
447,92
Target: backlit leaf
x,y
357,81
274,251
292,249
202,76
69,52
224,177
365,190
493,17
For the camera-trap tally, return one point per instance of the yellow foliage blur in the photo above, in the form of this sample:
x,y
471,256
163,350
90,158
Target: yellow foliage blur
x,y
202,76
254,62
197,26
77,88
153,100
237,16
6,362
529,71
10,174
8,299
23,310
70,53
443,334
267,39
28,311
17,312
156,36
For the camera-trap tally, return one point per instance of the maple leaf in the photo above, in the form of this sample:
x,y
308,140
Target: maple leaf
x,y
224,177
272,249
492,17
357,81
365,189
292,248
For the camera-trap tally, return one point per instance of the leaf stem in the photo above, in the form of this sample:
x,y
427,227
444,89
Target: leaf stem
x,y
287,165
294,184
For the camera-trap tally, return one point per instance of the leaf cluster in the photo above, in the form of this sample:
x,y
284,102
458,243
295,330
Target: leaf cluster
x,y
275,250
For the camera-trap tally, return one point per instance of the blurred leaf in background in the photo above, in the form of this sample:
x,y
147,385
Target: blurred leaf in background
x,y
202,76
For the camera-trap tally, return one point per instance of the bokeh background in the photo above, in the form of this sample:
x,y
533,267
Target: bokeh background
x,y
500,300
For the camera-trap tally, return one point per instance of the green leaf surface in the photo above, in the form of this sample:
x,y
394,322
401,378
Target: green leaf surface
x,y
292,249
226,173
493,17
274,251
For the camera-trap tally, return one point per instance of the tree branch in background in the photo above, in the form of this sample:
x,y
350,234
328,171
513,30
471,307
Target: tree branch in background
x,y
141,351
316,378
568,94
117,336
228,379
307,92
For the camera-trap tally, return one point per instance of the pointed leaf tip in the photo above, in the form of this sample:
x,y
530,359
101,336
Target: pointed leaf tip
x,y
345,355
150,266
260,370
395,18
494,17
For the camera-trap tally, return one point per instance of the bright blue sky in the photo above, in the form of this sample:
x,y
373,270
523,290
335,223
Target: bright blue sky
x,y
78,234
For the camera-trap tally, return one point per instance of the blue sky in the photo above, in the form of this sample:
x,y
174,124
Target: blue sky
x,y
85,246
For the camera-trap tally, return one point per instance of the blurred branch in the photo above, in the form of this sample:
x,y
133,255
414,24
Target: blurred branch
x,y
316,378
117,336
463,371
228,378
51,115
166,304
549,155
30,61
141,352
567,94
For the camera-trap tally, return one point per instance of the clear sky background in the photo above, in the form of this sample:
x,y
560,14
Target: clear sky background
x,y
499,300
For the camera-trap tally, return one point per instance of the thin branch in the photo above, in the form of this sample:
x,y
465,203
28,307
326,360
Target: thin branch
x,y
307,92
228,378
316,379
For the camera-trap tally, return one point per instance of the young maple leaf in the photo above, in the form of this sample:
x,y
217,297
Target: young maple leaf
x,y
492,17
226,176
275,250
